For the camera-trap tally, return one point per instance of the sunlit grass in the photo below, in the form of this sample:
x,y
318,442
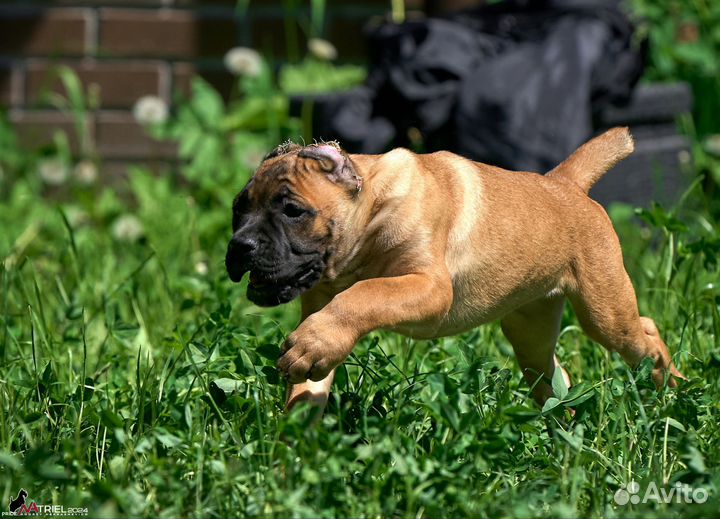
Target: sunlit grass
x,y
137,383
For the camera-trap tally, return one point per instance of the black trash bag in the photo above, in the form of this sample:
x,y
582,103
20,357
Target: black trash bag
x,y
515,84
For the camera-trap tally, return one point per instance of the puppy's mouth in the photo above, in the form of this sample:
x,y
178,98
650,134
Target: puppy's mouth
x,y
259,280
266,289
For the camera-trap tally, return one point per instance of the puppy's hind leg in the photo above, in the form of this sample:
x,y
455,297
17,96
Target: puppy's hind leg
x,y
533,330
604,301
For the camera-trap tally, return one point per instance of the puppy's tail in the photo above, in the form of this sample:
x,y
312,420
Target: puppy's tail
x,y
592,160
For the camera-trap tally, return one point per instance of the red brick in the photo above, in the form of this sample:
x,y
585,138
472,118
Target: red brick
x,y
253,3
36,129
415,5
217,3
218,77
49,32
164,33
120,83
6,85
116,173
120,137
104,3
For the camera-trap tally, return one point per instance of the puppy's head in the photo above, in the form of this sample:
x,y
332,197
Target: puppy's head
x,y
284,219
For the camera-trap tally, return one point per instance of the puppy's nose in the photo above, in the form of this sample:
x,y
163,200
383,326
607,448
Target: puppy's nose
x,y
239,255
243,245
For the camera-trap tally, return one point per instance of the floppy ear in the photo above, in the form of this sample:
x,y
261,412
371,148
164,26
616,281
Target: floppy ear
x,y
335,164
282,149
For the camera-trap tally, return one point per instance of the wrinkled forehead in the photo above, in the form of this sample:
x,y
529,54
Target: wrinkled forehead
x,y
288,147
276,174
291,166
275,170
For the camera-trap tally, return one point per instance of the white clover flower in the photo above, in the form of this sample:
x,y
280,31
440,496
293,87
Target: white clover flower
x,y
201,267
712,145
243,61
322,49
85,172
127,228
53,171
150,110
684,157
76,216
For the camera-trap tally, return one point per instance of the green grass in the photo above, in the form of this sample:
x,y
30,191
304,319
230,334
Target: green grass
x,y
135,384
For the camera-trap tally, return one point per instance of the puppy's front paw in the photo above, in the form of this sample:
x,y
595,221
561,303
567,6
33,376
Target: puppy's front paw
x,y
313,350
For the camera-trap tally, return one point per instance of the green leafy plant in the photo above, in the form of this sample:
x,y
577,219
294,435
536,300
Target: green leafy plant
x,y
313,76
684,44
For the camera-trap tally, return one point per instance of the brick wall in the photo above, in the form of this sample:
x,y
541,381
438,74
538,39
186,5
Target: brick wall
x,y
127,49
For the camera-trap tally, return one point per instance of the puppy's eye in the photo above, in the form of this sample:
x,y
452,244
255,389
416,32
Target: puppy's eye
x,y
292,210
